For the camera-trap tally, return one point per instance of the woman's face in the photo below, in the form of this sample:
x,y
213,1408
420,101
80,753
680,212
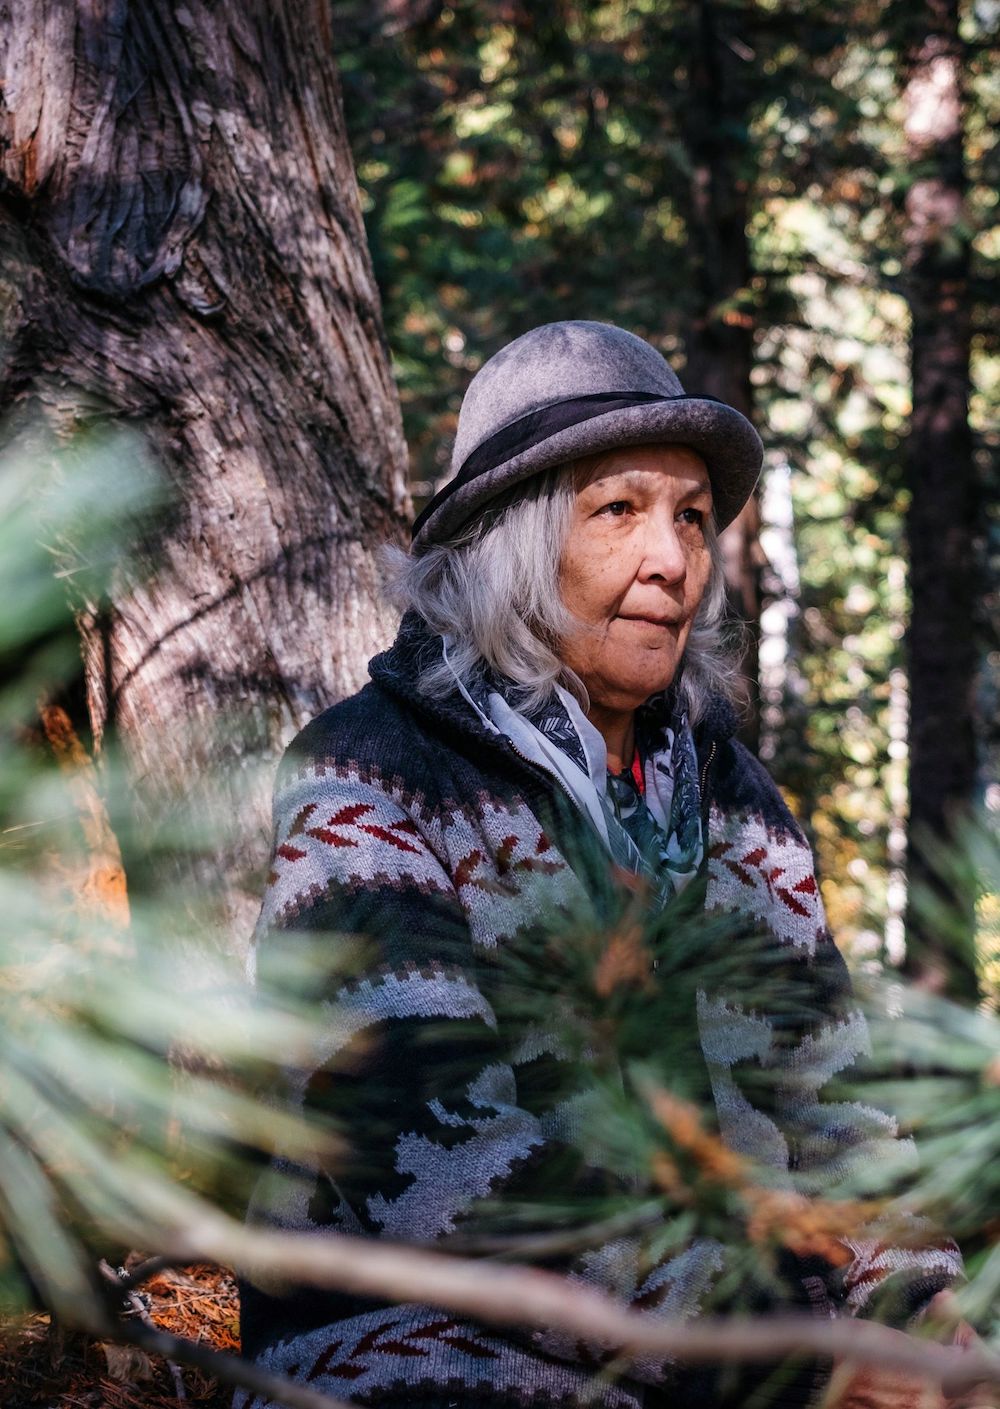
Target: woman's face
x,y
634,569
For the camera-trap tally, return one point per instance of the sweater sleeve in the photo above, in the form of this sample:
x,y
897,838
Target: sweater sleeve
x,y
412,1074
772,1062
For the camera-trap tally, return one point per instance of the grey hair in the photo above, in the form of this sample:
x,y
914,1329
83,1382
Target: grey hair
x,y
494,592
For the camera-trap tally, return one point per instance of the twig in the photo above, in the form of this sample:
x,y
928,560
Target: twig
x,y
525,1296
139,1309
143,1271
230,1369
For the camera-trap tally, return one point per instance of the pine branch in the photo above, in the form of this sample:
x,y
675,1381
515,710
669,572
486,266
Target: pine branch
x,y
518,1296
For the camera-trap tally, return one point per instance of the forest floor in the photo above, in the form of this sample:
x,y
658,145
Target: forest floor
x,y
199,1303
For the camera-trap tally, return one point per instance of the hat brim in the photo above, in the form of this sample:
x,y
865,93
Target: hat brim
x,y
725,439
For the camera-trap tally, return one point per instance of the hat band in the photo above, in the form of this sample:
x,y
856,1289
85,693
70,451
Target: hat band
x,y
535,428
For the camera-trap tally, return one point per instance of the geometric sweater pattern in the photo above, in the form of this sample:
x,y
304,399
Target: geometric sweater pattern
x,y
401,820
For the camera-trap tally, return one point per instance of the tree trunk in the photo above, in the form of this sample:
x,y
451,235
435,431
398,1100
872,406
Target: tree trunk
x,y
715,124
184,248
942,481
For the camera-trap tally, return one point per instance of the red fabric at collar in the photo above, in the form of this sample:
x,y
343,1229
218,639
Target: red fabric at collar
x,y
640,781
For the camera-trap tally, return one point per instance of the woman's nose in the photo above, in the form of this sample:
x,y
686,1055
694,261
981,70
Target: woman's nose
x,y
664,559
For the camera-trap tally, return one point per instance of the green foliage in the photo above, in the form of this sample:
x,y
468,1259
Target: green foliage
x,y
60,541
133,1069
936,1067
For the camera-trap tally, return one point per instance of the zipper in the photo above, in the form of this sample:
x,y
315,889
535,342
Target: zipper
x,y
703,868
704,771
536,769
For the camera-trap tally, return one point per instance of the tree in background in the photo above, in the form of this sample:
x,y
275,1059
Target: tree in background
x,y
182,247
722,88
942,521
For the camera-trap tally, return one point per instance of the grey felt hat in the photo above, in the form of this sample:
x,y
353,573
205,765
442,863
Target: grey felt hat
x,y
569,389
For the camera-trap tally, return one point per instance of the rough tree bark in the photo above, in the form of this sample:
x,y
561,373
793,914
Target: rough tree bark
x,y
715,127
940,468
183,247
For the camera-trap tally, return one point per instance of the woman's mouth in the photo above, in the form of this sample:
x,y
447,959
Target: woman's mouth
x,y
650,620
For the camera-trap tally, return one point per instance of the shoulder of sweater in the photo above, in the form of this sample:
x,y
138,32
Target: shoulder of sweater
x,y
370,728
743,786
741,782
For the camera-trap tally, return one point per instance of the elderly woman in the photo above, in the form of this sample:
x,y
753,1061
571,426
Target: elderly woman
x,y
557,675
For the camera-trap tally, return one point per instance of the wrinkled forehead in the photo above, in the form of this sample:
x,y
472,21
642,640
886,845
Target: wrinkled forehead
x,y
632,467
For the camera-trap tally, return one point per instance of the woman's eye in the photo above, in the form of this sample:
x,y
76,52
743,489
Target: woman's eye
x,y
617,507
695,516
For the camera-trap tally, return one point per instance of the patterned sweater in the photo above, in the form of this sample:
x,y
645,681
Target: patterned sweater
x,y
403,820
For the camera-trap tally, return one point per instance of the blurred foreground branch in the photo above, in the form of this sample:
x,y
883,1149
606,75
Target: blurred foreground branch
x,y
523,1296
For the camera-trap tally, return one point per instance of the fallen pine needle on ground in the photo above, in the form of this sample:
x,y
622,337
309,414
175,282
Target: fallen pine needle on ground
x,y
197,1302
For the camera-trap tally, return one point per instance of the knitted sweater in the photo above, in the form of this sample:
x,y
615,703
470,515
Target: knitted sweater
x,y
401,819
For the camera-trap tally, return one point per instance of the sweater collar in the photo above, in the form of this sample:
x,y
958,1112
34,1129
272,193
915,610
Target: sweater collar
x,y
398,671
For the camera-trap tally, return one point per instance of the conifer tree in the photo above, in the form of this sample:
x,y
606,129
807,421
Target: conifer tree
x,y
182,247
941,474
